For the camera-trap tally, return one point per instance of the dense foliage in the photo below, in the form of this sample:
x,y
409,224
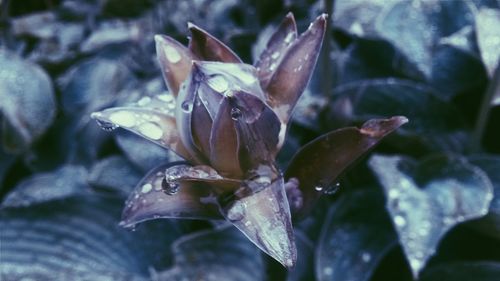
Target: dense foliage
x,y
425,204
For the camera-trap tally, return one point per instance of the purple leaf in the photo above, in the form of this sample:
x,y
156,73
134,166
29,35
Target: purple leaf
x,y
149,200
276,48
224,144
150,124
209,48
258,129
264,217
295,69
321,161
175,61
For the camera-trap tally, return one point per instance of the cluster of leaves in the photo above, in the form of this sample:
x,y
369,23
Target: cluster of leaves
x,y
425,205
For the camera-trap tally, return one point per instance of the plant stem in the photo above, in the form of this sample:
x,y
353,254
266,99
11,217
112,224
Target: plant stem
x,y
484,111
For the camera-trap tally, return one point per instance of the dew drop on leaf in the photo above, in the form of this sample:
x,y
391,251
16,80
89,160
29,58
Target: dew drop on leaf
x,y
187,106
169,187
235,114
332,189
106,126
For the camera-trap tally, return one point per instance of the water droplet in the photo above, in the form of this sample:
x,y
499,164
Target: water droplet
x,y
275,55
165,97
169,187
393,193
415,263
366,257
399,221
123,118
218,83
236,211
332,189
289,37
318,188
151,130
144,101
235,113
272,67
328,271
172,54
106,126
146,188
187,106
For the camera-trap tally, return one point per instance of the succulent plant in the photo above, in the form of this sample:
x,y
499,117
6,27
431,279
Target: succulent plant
x,y
228,120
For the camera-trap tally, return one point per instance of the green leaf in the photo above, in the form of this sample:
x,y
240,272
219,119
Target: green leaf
x,y
427,198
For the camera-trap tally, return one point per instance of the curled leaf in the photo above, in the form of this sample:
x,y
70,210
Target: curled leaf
x,y
291,75
152,125
264,217
276,48
258,129
426,199
209,48
321,161
175,62
150,200
224,143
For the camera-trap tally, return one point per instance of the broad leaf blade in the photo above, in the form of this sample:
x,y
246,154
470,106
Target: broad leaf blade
x,y
355,237
236,258
321,161
149,200
426,199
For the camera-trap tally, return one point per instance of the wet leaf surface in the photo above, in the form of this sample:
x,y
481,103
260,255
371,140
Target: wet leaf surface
x,y
356,235
90,245
336,150
264,217
151,200
416,27
28,103
490,164
487,34
427,198
435,124
207,255
91,85
62,183
115,174
144,154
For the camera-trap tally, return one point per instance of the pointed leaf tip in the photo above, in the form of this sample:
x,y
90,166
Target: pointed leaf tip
x,y
292,73
337,150
175,61
264,217
209,48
